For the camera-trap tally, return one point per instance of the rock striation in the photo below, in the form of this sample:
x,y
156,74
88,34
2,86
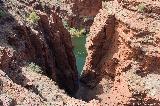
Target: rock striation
x,y
84,12
37,61
46,43
124,45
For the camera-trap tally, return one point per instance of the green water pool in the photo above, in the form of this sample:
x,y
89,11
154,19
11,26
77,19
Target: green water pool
x,y
79,51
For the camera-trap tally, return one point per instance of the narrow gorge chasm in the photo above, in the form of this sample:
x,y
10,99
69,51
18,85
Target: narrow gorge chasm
x,y
79,53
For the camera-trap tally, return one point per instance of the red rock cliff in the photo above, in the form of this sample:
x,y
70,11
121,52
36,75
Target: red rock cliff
x,y
124,45
47,43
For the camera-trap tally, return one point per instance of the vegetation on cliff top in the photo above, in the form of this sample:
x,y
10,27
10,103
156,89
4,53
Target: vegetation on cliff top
x,y
141,7
33,17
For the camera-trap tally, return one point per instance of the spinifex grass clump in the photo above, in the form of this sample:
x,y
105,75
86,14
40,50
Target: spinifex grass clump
x,y
35,68
33,17
141,7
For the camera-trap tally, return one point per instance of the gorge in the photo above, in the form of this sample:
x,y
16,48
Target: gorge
x,y
119,56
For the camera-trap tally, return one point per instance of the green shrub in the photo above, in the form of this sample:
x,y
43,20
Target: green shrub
x,y
65,24
141,7
2,13
33,17
73,31
35,68
77,32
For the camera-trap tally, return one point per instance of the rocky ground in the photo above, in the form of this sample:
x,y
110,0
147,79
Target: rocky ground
x,y
37,61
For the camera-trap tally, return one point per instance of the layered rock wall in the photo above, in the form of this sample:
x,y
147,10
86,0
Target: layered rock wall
x,y
46,43
124,45
123,48
84,11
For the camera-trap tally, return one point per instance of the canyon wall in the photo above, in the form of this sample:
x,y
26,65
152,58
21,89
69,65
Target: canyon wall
x,y
36,54
84,12
124,46
36,58
45,42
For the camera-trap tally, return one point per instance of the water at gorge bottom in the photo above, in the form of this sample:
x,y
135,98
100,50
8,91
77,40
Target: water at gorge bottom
x,y
84,93
79,51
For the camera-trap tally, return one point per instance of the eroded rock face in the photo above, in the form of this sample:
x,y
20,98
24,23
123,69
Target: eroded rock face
x,y
46,43
124,44
89,7
84,12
